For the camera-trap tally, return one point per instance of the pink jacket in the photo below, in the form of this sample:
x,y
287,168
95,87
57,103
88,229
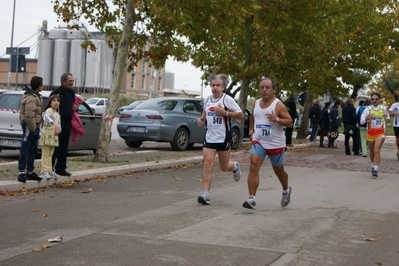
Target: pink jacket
x,y
77,127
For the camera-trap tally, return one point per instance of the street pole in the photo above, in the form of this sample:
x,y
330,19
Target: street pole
x,y
12,40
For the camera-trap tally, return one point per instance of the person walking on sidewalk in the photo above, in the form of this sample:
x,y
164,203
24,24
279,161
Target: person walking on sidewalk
x,y
375,116
269,116
219,109
314,115
363,128
324,123
30,118
49,137
67,106
350,120
394,111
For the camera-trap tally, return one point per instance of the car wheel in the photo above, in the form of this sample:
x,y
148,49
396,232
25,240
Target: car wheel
x,y
180,141
133,144
235,138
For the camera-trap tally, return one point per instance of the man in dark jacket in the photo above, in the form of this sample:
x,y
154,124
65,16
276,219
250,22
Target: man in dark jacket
x,y
291,107
349,118
324,123
334,125
30,117
314,115
67,96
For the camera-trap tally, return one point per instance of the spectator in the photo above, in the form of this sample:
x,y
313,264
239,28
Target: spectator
x,y
350,121
334,125
30,118
362,128
324,123
49,137
67,106
314,115
291,107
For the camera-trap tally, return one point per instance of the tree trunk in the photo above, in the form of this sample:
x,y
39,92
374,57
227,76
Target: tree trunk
x,y
120,65
301,133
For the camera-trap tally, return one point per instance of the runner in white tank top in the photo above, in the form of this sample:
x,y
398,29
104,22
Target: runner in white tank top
x,y
269,116
219,108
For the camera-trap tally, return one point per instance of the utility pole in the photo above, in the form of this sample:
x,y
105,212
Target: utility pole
x,y
12,40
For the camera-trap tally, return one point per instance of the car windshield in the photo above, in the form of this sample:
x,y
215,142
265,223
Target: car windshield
x,y
167,104
92,101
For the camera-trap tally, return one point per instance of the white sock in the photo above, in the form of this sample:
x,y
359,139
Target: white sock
x,y
376,167
286,191
252,198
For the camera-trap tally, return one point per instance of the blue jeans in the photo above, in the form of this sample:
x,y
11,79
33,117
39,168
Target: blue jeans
x,y
28,150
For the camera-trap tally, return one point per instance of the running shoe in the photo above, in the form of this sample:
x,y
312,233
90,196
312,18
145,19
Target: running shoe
x,y
237,172
203,199
286,198
374,173
250,204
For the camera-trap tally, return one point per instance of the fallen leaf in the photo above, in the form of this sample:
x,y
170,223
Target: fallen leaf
x,y
370,239
46,246
45,215
34,210
176,178
199,179
36,250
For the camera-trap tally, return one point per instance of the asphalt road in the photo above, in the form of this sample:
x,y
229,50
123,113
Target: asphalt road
x,y
338,215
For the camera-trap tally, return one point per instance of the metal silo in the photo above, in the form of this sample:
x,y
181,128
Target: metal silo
x,y
108,66
57,33
60,60
93,66
45,61
77,63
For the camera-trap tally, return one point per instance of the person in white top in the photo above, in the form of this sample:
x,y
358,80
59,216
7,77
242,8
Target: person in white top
x,y
219,109
394,112
269,116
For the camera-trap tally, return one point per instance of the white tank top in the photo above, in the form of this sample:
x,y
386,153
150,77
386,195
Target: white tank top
x,y
218,128
270,135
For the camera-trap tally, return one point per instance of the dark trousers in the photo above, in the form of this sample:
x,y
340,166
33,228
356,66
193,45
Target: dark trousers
x,y
354,141
313,133
322,134
332,139
288,135
28,150
61,152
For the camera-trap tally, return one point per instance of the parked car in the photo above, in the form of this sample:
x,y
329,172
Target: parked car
x,y
129,107
97,105
172,120
11,130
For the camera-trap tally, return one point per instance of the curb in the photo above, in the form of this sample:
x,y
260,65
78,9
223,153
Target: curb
x,y
11,185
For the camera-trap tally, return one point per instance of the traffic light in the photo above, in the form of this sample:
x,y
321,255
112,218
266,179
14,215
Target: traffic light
x,y
21,63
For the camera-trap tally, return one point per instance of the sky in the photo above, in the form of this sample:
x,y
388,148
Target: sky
x,y
29,15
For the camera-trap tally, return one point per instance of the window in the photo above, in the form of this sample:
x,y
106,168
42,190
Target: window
x,y
142,82
132,81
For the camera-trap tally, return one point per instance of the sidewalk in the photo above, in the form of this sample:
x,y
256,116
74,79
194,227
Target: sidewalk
x,y
307,154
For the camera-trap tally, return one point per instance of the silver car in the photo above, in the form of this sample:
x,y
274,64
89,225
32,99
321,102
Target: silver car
x,y
172,120
11,130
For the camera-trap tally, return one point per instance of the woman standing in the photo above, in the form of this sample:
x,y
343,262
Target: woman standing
x,y
219,109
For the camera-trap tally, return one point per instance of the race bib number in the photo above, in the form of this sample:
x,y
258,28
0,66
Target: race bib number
x,y
376,122
263,132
